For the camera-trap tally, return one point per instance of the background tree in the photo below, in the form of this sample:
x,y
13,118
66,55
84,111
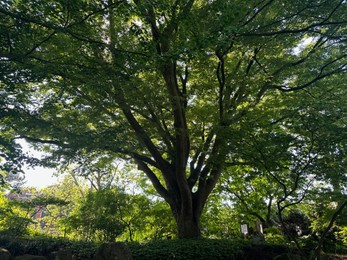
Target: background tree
x,y
291,160
163,83
100,216
66,190
101,172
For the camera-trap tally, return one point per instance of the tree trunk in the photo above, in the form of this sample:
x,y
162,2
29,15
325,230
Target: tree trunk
x,y
188,226
187,212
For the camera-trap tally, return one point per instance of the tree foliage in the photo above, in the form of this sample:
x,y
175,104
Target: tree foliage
x,y
292,160
166,84
100,216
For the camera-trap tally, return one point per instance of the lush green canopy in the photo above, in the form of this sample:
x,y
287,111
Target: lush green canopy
x,y
166,84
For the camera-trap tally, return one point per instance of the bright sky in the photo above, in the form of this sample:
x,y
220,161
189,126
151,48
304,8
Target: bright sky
x,y
37,177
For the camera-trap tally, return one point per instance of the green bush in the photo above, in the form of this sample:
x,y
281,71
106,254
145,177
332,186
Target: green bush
x,y
183,249
273,235
45,246
189,249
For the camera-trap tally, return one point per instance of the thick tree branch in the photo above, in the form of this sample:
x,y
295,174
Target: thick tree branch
x,y
199,159
155,181
140,132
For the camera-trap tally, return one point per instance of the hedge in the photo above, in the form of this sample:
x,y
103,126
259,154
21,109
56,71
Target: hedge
x,y
188,249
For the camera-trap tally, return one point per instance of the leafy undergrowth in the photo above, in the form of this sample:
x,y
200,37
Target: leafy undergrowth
x,y
45,246
183,249
188,249
158,249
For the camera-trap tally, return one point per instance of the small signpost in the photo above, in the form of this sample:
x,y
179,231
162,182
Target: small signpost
x,y
259,227
244,229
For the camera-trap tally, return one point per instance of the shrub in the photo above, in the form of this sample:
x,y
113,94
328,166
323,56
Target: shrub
x,y
188,249
45,246
273,235
183,249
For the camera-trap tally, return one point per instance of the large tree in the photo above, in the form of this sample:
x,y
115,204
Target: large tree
x,y
164,83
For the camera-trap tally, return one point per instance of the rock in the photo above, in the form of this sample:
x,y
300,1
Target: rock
x,y
113,251
64,254
4,254
30,257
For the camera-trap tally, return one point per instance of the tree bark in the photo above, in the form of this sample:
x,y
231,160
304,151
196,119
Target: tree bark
x,y
188,226
187,221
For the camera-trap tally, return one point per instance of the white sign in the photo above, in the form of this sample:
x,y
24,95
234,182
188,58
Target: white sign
x,y
244,229
261,229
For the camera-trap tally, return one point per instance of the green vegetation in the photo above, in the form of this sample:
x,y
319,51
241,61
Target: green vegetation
x,y
189,249
45,246
177,118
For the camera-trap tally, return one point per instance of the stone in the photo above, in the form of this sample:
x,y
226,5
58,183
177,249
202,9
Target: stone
x,y
4,254
63,254
30,257
113,251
